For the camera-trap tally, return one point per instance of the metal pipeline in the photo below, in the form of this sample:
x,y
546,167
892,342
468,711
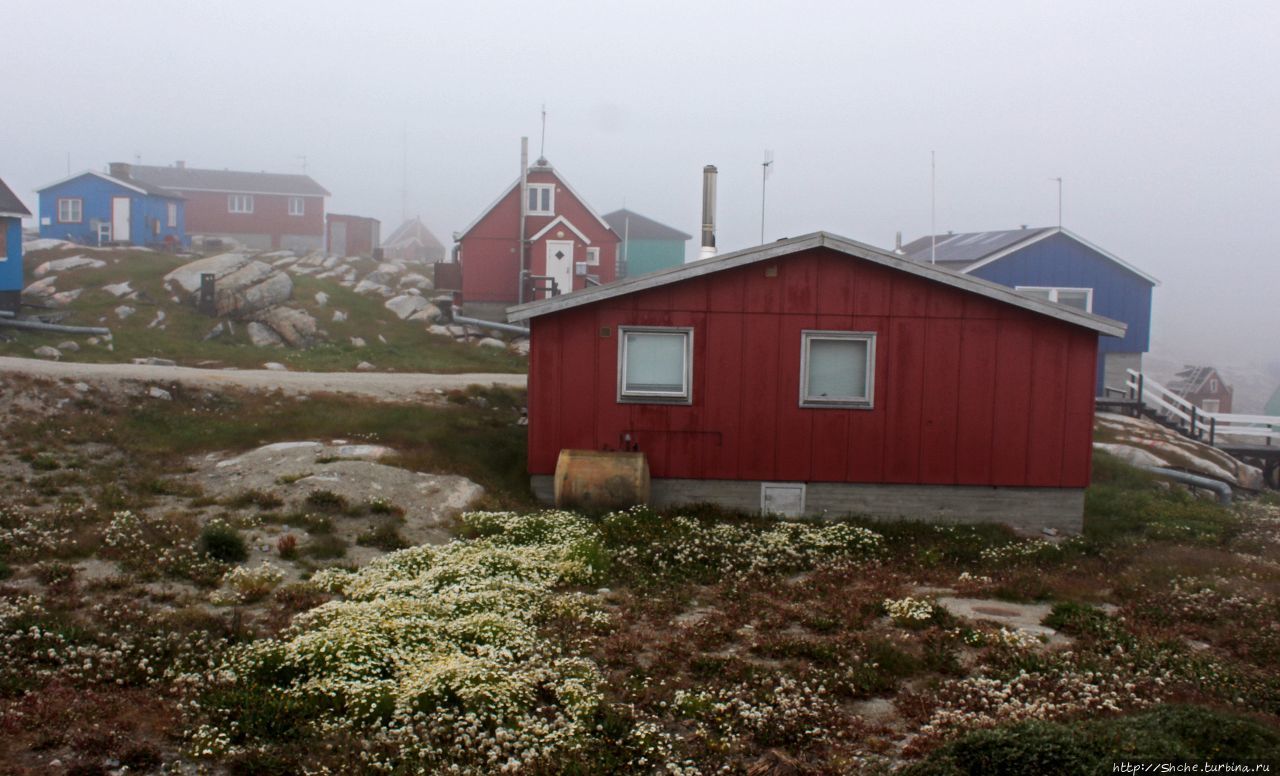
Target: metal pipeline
x,y
1194,480
41,326
506,327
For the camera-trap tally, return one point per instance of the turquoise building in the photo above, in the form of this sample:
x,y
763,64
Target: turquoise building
x,y
647,246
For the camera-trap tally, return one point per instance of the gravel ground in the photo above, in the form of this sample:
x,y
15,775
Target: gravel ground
x,y
384,386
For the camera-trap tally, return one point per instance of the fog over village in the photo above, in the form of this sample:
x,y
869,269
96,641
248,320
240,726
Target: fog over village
x,y
1160,118
641,388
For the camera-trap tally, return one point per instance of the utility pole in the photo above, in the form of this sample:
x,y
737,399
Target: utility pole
x,y
1059,180
933,207
764,181
542,145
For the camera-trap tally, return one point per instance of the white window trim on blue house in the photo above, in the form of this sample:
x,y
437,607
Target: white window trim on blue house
x,y
1054,294
78,209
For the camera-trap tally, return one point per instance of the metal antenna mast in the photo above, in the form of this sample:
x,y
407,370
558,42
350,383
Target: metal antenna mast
x,y
404,171
542,145
765,168
1059,180
933,207
303,157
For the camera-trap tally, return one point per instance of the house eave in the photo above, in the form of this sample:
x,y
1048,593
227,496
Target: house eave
x,y
843,245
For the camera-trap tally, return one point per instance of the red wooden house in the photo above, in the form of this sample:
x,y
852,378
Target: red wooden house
x,y
351,235
257,209
817,375
564,240
1203,387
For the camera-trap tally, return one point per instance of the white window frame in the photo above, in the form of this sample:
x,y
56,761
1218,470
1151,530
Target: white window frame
x,y
301,209
173,214
593,256
685,396
240,203
808,336
550,209
1217,406
1054,290
78,202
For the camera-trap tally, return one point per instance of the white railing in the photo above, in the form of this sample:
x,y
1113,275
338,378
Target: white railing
x,y
1197,423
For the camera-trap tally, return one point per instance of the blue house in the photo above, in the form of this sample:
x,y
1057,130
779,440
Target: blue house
x,y
12,211
647,246
1055,264
94,208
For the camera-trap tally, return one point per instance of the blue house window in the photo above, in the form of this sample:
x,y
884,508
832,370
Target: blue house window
x,y
240,203
1079,298
70,211
173,214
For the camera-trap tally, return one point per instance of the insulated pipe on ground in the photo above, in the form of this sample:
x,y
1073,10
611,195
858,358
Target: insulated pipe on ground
x,y
1194,480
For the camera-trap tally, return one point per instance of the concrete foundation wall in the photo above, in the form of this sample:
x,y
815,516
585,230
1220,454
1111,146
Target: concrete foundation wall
x,y
1114,366
1025,509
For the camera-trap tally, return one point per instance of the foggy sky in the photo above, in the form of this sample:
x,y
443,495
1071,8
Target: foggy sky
x,y
1162,118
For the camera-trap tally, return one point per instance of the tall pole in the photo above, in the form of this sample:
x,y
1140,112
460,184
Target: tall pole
x,y
933,207
524,211
1059,180
542,146
764,182
404,171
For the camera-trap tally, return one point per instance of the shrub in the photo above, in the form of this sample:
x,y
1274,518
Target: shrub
x,y
384,536
251,585
1080,620
1031,747
287,546
326,501
223,543
256,498
326,546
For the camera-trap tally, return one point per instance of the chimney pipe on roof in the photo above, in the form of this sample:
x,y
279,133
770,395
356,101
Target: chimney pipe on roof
x,y
708,212
897,242
119,170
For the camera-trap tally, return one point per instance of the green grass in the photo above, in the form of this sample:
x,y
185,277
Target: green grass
x,y
408,347
1125,504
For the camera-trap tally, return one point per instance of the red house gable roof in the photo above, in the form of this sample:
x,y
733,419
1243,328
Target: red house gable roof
x,y
783,248
537,168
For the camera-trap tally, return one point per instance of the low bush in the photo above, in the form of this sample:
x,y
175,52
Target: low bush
x,y
223,543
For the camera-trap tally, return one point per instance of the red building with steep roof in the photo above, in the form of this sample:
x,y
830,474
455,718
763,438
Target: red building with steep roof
x,y
821,376
566,245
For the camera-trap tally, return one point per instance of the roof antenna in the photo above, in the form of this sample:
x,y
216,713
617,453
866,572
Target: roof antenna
x,y
1059,180
765,168
542,144
404,171
933,207
303,157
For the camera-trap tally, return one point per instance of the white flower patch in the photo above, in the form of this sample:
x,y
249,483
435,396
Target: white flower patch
x,y
906,610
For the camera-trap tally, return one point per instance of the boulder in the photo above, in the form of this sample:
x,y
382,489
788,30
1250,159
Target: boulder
x,y
70,346
187,277
439,330
124,311
253,287
416,280
118,289
521,346
41,287
428,314
357,342
296,327
153,361
406,305
46,243
368,286
322,298
263,335
157,392
275,366
490,342
158,320
44,351
216,331
339,316
365,366
70,262
66,297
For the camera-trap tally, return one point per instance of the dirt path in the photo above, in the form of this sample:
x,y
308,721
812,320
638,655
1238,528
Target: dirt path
x,y
130,378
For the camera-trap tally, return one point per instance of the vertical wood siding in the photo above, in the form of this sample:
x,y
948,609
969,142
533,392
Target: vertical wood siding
x,y
968,391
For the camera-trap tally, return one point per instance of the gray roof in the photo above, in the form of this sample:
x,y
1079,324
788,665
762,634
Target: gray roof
x,y
411,232
231,181
783,248
1191,379
969,247
9,202
633,226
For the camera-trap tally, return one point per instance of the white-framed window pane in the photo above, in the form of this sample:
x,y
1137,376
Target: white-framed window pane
x,y
1078,299
837,369
541,199
296,206
655,363
593,257
1043,293
173,214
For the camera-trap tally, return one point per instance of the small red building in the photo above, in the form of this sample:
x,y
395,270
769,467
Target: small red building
x,y
817,375
351,235
564,240
256,209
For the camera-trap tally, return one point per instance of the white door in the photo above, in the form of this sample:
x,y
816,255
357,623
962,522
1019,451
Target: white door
x,y
560,263
120,219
